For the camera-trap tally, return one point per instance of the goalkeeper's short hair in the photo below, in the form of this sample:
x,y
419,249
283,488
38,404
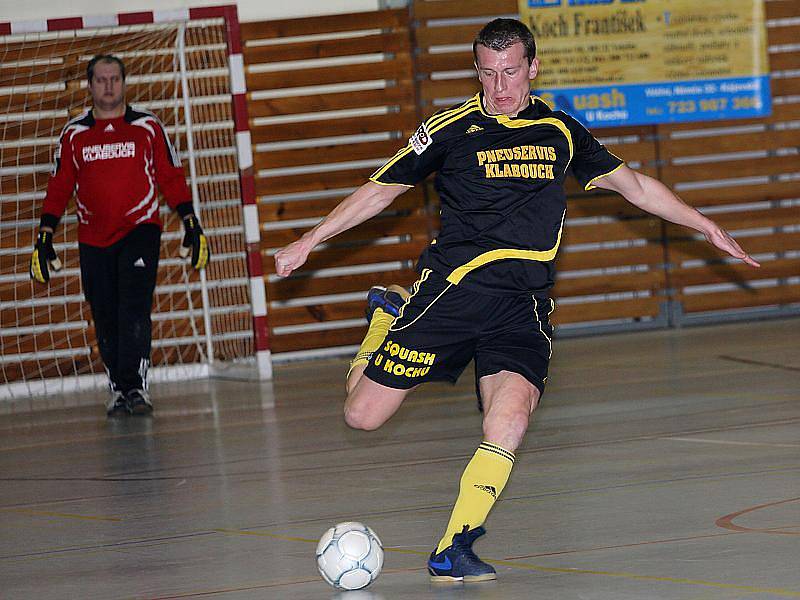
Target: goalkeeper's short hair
x,y
106,58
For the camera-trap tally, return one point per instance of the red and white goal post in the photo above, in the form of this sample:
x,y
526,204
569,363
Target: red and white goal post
x,y
186,66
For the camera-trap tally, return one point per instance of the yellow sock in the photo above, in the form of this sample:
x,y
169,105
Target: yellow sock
x,y
481,484
378,328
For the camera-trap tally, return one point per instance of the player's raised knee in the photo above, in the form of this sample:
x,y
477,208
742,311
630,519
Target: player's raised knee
x,y
358,416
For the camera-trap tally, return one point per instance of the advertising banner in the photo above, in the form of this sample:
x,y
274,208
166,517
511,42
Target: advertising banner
x,y
641,62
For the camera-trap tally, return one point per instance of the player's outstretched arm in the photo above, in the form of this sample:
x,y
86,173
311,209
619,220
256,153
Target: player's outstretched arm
x,y
366,202
656,198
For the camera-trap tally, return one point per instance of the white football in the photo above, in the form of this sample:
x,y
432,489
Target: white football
x,y
349,556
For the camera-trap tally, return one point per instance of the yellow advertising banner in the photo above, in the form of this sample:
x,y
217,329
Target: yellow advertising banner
x,y
614,62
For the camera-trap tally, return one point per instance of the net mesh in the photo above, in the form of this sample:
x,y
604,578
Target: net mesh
x,y
46,333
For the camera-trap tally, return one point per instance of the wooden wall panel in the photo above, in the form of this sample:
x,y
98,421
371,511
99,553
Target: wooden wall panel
x,y
309,154
744,173
401,97
339,23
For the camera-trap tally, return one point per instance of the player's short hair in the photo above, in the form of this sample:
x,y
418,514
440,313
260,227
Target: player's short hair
x,y
501,34
106,58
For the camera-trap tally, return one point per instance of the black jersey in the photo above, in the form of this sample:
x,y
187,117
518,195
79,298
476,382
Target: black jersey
x,y
501,184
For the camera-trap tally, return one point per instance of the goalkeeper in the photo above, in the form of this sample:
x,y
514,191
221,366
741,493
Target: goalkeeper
x,y
116,160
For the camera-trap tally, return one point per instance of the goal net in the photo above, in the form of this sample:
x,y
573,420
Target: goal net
x,y
180,69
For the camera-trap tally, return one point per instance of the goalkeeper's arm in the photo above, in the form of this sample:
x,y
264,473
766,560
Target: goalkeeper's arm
x,y
44,256
194,240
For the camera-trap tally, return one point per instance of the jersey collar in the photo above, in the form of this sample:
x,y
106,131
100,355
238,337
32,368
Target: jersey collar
x,y
535,109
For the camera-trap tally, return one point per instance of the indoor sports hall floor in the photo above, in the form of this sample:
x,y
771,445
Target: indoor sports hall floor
x,y
662,465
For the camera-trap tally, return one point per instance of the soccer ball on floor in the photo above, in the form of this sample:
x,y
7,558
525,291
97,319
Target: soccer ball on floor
x,y
349,556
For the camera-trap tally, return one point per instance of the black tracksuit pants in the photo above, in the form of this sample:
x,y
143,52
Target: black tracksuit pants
x,y
118,283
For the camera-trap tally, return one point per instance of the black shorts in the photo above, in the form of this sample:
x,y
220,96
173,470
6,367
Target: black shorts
x,y
443,327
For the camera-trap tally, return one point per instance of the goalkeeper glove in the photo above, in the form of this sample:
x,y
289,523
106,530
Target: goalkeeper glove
x,y
43,255
194,242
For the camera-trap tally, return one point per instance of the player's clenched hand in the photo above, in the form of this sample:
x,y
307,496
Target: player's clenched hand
x,y
194,242
44,255
723,240
291,257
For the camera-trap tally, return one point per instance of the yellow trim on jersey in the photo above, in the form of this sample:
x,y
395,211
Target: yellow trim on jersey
x,y
493,255
590,186
437,118
373,180
444,119
433,124
507,121
400,154
534,98
517,123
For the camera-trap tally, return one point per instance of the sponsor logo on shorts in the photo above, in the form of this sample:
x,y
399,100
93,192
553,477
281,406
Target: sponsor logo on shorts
x,y
402,362
412,356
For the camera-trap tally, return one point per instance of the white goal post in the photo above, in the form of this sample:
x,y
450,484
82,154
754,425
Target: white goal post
x,y
186,66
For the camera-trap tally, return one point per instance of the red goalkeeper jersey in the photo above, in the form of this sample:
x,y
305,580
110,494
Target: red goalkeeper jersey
x,y
115,168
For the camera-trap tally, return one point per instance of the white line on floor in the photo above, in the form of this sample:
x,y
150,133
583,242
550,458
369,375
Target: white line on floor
x,y
728,442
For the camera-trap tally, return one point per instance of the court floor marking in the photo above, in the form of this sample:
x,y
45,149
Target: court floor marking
x,y
563,570
758,363
655,578
267,418
729,442
690,538
372,464
511,562
233,590
48,554
446,507
48,513
735,529
726,522
285,583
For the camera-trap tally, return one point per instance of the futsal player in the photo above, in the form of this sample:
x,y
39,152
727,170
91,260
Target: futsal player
x,y
501,160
